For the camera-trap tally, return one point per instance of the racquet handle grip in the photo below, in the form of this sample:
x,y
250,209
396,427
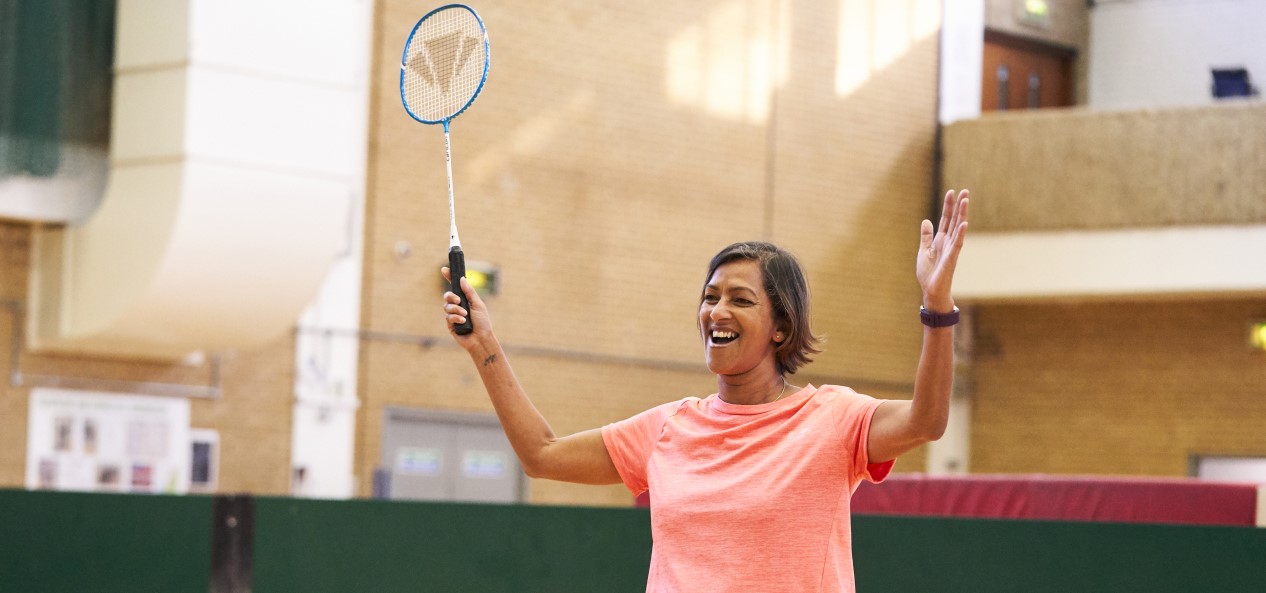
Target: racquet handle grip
x,y
457,271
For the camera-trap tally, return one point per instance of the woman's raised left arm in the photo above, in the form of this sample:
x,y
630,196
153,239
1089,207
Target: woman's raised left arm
x,y
901,425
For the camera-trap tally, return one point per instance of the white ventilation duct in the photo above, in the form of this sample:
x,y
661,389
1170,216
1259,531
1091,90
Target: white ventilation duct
x,y
237,134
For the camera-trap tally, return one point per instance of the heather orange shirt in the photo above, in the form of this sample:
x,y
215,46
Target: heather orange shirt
x,y
749,498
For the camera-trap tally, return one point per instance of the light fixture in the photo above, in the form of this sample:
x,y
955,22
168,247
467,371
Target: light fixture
x,y
483,277
1257,334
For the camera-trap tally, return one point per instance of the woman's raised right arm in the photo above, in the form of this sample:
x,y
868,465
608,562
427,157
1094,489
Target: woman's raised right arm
x,y
580,458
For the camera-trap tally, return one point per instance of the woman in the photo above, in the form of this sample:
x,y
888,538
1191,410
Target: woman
x,y
750,485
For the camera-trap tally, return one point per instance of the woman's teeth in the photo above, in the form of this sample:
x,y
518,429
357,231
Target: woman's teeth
x,y
720,337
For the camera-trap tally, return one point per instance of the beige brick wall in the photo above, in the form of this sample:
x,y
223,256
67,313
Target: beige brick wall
x,y
601,186
1116,388
252,413
601,190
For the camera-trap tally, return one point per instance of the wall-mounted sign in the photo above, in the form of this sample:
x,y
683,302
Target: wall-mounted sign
x,y
1034,13
91,441
419,461
484,464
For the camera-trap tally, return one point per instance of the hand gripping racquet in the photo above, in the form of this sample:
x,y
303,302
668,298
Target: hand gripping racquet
x,y
442,70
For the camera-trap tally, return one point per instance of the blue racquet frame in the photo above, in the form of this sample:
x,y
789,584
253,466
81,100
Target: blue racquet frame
x,y
404,55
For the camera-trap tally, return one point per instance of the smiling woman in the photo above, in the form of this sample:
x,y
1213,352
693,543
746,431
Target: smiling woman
x,y
737,322
750,485
773,278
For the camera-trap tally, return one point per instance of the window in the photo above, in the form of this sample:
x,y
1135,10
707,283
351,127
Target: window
x,y
204,460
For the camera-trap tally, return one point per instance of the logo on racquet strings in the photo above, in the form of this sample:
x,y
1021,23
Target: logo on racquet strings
x,y
443,58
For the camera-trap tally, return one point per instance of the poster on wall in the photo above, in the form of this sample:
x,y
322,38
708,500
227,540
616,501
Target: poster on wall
x,y
106,442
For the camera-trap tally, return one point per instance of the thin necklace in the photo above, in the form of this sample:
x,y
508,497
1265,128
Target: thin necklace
x,y
783,392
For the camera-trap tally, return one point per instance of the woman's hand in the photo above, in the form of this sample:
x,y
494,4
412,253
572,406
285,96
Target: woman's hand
x,y
938,253
455,314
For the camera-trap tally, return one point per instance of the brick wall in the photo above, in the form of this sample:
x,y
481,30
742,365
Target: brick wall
x,y
601,190
613,151
601,181
1116,388
252,414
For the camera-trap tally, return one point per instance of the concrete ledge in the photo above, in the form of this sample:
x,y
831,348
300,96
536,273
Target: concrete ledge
x,y
1151,262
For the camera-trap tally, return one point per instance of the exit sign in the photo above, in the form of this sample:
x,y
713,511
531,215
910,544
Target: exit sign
x,y
1257,334
1034,13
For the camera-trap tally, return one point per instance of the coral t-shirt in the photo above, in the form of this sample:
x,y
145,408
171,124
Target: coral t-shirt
x,y
749,498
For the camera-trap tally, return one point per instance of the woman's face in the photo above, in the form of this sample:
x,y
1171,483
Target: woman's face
x,y
736,319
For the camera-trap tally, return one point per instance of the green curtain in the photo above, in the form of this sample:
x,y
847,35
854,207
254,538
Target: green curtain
x,y
55,80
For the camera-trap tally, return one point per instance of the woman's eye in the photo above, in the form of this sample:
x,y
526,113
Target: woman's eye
x,y
711,299
743,302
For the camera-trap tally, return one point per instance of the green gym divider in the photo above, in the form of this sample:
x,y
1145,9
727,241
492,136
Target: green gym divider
x,y
369,545
54,542
991,555
62,542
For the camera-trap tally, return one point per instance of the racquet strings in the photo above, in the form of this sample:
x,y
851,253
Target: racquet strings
x,y
445,64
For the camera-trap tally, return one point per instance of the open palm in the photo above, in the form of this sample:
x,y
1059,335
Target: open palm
x,y
938,252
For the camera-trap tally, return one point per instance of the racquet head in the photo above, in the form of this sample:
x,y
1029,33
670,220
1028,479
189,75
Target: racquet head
x,y
444,65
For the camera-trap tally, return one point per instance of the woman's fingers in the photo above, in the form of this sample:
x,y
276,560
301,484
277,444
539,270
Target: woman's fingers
x,y
454,314
476,301
960,209
959,225
953,243
453,308
925,239
953,218
947,212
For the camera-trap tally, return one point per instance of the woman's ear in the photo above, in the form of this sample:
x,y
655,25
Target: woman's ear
x,y
783,333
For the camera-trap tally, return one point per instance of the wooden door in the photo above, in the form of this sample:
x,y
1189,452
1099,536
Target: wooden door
x,y
1024,74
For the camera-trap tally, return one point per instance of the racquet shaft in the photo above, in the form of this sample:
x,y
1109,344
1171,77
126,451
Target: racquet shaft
x,y
456,259
453,241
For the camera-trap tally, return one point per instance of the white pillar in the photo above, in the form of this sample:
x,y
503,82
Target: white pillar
x,y
327,346
962,57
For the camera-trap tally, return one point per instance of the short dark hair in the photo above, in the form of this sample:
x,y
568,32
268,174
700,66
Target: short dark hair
x,y
788,291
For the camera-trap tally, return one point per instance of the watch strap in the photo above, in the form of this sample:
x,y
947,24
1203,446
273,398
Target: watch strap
x,y
931,319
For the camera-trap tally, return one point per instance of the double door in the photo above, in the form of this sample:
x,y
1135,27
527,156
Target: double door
x,y
1024,74
431,455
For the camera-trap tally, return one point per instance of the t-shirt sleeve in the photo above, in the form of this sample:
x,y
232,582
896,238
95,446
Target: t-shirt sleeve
x,y
630,442
854,412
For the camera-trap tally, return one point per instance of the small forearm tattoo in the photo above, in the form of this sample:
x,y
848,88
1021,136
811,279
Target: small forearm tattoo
x,y
491,359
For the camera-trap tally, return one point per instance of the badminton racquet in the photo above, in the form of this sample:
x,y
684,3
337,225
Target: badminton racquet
x,y
442,70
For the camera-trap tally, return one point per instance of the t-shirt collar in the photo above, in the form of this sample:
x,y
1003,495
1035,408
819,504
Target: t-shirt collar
x,y
725,407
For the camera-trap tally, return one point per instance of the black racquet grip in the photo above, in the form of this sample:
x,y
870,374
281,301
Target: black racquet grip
x,y
457,271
